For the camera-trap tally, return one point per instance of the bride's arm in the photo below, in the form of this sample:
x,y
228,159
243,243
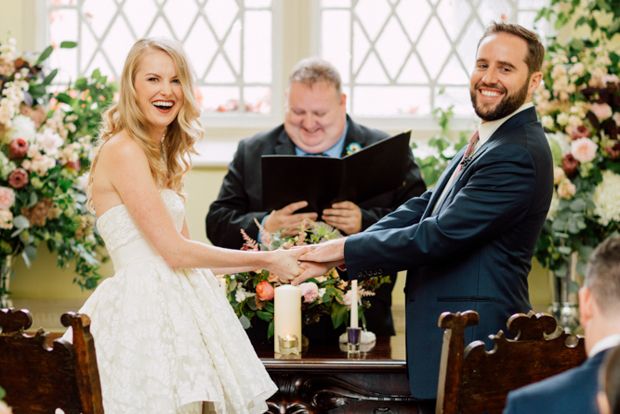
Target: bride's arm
x,y
123,163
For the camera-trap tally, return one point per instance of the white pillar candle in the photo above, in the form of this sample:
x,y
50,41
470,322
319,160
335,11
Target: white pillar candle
x,y
287,315
354,316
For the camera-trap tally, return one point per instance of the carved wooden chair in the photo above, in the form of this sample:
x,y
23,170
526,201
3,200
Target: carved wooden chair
x,y
39,378
473,380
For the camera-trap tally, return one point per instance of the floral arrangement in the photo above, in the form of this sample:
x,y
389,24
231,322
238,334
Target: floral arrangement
x,y
251,293
46,144
4,409
579,104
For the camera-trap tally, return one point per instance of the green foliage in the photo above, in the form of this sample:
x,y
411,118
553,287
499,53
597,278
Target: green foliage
x,y
442,148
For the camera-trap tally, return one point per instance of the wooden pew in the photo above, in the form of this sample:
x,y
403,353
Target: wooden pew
x,y
39,378
473,380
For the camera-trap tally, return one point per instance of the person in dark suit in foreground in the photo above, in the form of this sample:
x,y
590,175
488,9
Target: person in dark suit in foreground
x,y
468,242
574,391
315,123
608,396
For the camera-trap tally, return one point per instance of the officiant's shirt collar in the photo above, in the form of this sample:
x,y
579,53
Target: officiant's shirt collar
x,y
486,129
335,149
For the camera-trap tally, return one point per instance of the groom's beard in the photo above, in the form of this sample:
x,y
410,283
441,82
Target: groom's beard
x,y
508,104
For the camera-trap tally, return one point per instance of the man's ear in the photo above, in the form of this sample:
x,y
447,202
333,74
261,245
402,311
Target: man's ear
x,y
343,99
586,305
535,79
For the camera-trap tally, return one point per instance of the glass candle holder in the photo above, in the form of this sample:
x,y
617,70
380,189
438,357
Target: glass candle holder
x,y
289,346
353,342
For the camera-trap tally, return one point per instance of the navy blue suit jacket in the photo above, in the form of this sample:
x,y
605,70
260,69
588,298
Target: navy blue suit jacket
x,y
573,391
474,253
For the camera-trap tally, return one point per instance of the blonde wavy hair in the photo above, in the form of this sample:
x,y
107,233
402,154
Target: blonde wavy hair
x,y
168,160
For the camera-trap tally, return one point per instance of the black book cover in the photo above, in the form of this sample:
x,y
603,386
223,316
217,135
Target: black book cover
x,y
369,172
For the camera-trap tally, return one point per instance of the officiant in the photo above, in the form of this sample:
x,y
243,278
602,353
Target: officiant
x,y
315,124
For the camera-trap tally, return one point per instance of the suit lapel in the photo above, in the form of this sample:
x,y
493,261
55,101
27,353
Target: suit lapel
x,y
353,135
284,145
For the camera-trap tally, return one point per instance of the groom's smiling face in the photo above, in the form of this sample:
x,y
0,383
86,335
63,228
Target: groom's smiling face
x,y
501,82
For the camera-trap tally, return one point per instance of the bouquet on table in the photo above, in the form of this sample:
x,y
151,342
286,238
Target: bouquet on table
x,y
251,293
46,143
4,409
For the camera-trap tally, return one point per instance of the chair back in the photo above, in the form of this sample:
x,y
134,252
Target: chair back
x,y
473,380
40,377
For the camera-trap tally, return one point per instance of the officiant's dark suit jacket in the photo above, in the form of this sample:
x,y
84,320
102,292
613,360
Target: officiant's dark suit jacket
x,y
240,200
474,252
573,391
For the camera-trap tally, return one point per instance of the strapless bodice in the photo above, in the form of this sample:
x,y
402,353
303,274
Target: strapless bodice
x,y
124,240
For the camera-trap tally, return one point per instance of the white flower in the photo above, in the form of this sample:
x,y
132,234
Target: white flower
x,y
49,141
566,189
5,409
607,198
241,294
6,221
23,127
562,119
553,207
547,122
603,19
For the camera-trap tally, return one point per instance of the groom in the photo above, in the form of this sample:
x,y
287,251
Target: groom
x,y
468,242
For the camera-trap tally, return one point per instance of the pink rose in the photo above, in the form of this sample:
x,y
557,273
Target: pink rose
x,y
264,291
309,291
583,149
18,148
7,198
18,178
601,111
566,189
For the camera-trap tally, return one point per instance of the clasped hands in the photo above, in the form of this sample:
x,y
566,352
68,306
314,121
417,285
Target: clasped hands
x,y
301,263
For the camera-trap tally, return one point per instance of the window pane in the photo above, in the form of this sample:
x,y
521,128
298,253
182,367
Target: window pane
x,y
404,52
230,68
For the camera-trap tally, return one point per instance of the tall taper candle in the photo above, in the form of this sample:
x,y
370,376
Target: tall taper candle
x,y
354,295
287,314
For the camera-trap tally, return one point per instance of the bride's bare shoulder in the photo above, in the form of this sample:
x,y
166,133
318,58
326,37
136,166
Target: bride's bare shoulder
x,y
121,149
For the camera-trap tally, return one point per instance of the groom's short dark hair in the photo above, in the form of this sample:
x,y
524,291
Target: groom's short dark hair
x,y
535,49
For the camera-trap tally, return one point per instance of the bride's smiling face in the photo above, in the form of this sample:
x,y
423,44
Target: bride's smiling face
x,y
158,90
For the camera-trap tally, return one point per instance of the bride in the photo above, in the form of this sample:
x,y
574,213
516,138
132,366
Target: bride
x,y
166,338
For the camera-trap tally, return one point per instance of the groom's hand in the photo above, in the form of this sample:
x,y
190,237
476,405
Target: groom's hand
x,y
310,270
328,252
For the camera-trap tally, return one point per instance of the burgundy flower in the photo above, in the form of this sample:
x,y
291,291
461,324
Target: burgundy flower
x,y
614,151
570,165
18,148
18,178
579,132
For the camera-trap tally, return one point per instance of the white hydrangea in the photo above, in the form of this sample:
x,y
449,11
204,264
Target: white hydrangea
x,y
23,127
607,198
241,294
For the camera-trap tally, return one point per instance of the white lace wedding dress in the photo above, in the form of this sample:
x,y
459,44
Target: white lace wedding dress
x,y
166,339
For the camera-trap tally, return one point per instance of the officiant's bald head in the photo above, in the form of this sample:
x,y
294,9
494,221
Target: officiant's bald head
x,y
315,106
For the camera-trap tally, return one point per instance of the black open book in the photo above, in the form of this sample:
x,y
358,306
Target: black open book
x,y
321,181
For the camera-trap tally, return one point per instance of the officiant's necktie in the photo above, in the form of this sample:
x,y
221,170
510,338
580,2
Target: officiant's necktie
x,y
469,151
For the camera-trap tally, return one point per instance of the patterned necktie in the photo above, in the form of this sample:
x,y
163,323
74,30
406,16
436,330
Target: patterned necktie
x,y
469,151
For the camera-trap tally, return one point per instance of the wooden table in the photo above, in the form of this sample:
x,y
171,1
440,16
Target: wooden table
x,y
325,380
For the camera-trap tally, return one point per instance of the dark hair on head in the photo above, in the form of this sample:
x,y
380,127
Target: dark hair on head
x,y
603,275
314,70
535,49
609,379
